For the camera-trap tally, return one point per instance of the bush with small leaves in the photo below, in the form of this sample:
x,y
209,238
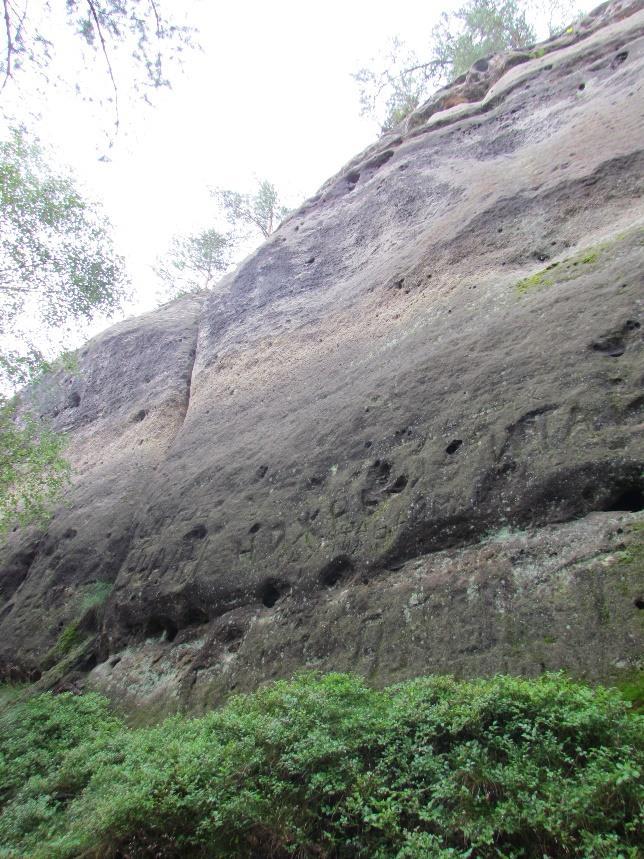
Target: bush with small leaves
x,y
328,767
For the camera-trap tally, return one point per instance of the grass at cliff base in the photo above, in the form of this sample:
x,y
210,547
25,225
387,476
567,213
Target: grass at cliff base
x,y
324,766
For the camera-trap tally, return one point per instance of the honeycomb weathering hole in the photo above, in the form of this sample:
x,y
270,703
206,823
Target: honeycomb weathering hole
x,y
161,626
453,446
628,500
352,179
398,485
335,571
271,591
196,533
194,617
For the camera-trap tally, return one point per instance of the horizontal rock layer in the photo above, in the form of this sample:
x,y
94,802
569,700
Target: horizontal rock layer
x,y
305,466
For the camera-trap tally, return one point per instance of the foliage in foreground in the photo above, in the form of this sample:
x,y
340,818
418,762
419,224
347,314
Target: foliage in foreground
x,y
327,767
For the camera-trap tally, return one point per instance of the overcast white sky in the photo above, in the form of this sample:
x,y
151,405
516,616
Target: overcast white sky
x,y
269,96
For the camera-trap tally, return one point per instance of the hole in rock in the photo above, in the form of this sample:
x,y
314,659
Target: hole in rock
x,y
139,416
195,617
70,533
89,662
453,446
196,533
398,485
161,626
255,528
611,347
639,603
629,500
581,87
368,444
261,472
619,59
635,405
310,260
230,633
352,179
631,325
377,475
379,161
335,571
270,592
73,401
481,65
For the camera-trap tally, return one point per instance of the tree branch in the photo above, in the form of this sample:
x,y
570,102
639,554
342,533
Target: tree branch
x,y
99,30
156,15
7,25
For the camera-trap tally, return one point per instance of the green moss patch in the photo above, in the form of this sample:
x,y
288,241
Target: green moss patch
x,y
68,639
575,266
95,594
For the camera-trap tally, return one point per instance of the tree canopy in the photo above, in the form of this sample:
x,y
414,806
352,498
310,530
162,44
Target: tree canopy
x,y
403,79
261,211
194,261
58,269
136,41
57,260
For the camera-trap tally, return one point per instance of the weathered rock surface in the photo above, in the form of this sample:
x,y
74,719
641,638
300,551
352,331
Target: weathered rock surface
x,y
311,467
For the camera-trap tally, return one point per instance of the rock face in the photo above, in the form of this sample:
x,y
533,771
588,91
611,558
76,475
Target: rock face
x,y
405,436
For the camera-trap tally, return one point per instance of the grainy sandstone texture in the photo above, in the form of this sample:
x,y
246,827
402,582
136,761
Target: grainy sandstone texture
x,y
406,435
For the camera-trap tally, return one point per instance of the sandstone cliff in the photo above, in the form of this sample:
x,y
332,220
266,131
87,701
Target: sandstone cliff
x,y
404,436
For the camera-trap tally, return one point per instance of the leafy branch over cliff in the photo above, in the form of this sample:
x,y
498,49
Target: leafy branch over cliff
x,y
131,40
58,269
394,86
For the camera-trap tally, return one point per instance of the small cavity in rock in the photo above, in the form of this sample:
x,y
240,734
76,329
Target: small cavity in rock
x,y
196,533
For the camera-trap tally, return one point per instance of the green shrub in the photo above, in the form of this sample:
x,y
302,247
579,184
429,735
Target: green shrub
x,y
327,767
37,734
